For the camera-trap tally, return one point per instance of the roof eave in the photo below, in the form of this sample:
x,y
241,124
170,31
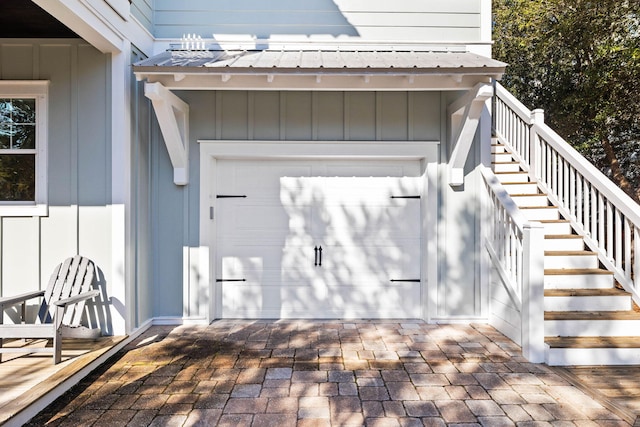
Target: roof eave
x,y
201,78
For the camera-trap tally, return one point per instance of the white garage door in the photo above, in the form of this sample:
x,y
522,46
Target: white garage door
x,y
318,239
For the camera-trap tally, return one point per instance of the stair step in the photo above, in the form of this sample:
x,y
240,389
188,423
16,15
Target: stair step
x,y
563,242
566,351
538,213
611,299
570,259
498,148
506,167
591,323
535,199
585,278
556,226
521,187
593,342
502,157
512,177
622,315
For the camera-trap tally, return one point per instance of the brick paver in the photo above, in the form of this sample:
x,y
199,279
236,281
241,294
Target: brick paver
x,y
323,373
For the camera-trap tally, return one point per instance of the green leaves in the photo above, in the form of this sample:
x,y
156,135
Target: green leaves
x,y
580,61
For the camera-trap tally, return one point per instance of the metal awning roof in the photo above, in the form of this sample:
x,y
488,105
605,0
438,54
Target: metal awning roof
x,y
317,69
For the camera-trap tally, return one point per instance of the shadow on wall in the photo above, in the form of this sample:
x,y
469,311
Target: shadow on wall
x,y
256,18
96,313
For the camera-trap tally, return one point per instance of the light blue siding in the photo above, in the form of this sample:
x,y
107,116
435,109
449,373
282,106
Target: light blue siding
x,y
264,115
417,20
79,165
142,10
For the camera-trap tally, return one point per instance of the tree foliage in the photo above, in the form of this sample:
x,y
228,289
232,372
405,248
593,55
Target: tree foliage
x,y
579,60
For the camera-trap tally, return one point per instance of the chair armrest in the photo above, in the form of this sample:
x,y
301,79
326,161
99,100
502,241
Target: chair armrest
x,y
12,300
77,298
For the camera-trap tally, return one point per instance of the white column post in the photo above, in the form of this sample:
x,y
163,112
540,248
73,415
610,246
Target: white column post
x,y
533,347
122,278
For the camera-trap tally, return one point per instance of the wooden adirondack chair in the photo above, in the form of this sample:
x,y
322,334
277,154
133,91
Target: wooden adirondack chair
x,y
60,314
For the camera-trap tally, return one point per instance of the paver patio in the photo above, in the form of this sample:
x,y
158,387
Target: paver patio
x,y
324,373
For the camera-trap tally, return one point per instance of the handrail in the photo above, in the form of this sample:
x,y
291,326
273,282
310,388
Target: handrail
x,y
515,247
510,207
619,198
607,218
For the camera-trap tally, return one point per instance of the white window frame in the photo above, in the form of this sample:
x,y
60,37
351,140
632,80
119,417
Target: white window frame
x,y
38,90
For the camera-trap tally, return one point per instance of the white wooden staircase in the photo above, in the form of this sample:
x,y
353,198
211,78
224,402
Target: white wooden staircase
x,y
589,319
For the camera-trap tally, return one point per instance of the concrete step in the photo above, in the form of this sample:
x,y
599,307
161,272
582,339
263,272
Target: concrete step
x,y
590,323
589,278
563,242
611,299
592,351
506,167
512,176
535,199
570,259
556,226
539,213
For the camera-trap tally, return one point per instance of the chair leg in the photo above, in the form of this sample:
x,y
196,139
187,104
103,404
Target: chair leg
x,y
1,322
57,336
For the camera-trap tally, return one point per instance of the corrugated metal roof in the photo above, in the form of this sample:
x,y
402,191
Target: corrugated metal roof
x,y
194,61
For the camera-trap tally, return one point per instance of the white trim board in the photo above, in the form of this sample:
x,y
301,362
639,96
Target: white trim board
x,y
212,150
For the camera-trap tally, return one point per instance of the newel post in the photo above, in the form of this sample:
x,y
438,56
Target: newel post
x,y
537,118
533,347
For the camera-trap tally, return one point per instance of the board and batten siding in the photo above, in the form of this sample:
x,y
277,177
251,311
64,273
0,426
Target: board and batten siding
x,y
263,115
308,116
415,20
79,163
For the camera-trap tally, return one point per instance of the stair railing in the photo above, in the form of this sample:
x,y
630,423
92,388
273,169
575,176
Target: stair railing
x,y
607,218
515,247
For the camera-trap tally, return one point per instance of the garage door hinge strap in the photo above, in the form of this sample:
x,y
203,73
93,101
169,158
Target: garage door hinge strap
x,y
406,280
230,280
230,196
405,197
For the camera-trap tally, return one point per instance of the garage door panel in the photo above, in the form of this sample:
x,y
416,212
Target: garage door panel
x,y
371,262
254,178
365,216
260,300
374,222
272,217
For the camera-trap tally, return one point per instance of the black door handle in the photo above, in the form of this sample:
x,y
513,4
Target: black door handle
x,y
315,259
320,250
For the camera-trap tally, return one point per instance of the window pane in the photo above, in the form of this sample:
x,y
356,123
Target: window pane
x,y
5,110
24,111
24,136
17,177
5,137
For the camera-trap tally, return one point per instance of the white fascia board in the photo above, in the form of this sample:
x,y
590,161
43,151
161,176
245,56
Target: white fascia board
x,y
465,115
173,118
99,24
85,21
181,80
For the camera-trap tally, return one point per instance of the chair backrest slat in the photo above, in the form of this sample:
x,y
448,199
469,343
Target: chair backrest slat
x,y
70,278
82,283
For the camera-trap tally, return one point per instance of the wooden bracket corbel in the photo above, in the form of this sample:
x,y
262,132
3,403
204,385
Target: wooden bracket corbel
x,y
173,118
465,115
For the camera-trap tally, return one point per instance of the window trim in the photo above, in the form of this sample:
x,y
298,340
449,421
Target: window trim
x,y
38,90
